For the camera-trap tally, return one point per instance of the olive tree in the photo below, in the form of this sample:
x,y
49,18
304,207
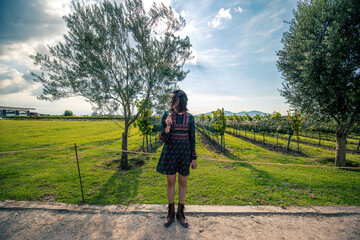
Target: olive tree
x,y
114,54
320,64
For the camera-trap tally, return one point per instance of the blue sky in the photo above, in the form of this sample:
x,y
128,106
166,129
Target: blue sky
x,y
234,47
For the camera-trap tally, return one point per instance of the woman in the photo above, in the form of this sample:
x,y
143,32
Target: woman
x,y
178,134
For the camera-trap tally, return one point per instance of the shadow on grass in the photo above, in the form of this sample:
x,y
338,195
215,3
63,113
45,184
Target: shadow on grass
x,y
331,162
271,147
122,186
212,145
268,182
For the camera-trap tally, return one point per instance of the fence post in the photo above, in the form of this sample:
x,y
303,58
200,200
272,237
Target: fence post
x,y
77,160
288,145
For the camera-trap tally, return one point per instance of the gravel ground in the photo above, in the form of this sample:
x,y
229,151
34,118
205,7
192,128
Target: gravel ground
x,y
52,220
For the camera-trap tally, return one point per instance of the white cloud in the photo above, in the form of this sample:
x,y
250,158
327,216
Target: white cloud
x,y
259,31
217,20
148,3
20,52
267,22
218,57
202,103
13,81
238,9
24,99
184,13
194,55
268,59
196,34
58,8
260,50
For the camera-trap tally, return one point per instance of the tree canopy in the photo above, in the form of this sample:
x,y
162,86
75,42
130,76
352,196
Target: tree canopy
x,y
320,63
114,54
68,113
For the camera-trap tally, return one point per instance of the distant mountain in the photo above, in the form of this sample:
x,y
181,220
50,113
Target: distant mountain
x,y
251,113
243,113
227,113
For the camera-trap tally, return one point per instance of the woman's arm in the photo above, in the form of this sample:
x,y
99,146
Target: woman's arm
x,y
164,129
192,138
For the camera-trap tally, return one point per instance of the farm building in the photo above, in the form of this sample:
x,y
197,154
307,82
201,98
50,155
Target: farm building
x,y
14,111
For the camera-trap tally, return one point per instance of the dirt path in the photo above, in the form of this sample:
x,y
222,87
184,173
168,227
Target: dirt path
x,y
51,220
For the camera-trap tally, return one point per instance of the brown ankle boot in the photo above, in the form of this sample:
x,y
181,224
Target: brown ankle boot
x,y
181,216
171,214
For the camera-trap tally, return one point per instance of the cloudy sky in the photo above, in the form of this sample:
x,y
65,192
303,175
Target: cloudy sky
x,y
234,47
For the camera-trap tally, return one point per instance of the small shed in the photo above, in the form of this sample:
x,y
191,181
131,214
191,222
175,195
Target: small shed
x,y
14,111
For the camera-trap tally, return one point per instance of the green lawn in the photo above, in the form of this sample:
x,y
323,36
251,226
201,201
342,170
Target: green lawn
x,y
52,174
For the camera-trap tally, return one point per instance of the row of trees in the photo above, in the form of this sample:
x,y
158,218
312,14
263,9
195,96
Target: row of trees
x,y
293,124
272,123
215,123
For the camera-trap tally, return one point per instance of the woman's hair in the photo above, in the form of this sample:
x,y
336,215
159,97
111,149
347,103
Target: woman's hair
x,y
179,100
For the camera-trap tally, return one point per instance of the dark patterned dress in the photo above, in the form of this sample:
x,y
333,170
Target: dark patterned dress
x,y
179,147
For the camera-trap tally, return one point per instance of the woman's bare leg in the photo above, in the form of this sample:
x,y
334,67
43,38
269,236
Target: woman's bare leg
x,y
182,188
171,179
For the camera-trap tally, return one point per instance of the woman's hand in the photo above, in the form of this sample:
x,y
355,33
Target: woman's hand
x,y
193,164
167,129
168,121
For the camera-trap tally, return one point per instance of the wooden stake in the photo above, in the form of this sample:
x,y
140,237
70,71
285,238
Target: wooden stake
x,y
77,160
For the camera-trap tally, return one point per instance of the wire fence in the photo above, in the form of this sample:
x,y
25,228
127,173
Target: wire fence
x,y
158,154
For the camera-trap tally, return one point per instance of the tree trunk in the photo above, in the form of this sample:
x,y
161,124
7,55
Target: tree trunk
x,y
340,155
358,146
288,145
319,138
297,138
221,140
149,140
147,143
264,137
224,141
124,160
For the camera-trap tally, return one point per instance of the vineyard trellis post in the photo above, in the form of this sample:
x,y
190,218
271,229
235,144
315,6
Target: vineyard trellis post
x,y
277,117
296,125
288,144
223,128
77,161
